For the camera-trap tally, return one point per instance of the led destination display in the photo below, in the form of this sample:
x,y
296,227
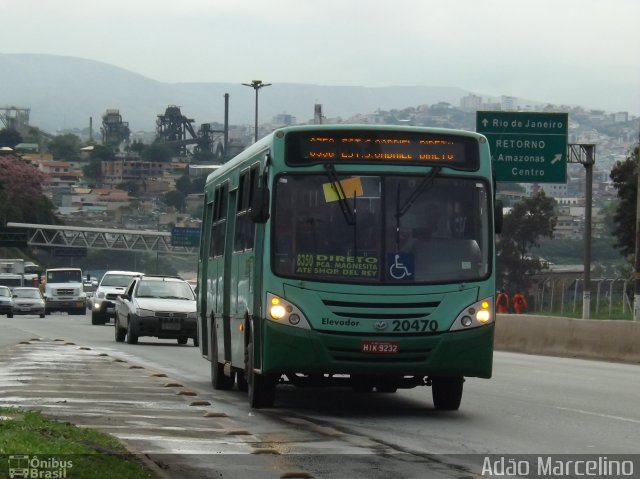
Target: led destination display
x,y
388,147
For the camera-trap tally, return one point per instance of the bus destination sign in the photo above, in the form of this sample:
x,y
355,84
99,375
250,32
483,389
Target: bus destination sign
x,y
388,147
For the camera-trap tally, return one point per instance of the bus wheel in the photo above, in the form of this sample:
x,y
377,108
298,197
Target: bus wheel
x,y
447,392
219,381
261,388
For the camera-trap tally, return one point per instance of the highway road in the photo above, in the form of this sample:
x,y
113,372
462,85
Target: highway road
x,y
533,405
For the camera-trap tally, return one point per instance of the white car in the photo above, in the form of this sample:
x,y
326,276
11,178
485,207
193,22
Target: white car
x,y
112,285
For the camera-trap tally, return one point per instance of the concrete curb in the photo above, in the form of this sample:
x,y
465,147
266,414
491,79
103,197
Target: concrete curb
x,y
613,340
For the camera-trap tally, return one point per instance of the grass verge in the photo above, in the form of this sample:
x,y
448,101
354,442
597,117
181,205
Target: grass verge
x,y
60,449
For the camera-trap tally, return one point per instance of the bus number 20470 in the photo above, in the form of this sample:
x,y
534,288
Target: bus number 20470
x,y
419,325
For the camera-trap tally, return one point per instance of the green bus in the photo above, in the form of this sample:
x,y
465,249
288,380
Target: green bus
x,y
353,255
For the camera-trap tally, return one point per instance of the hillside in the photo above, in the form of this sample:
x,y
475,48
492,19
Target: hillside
x,y
64,92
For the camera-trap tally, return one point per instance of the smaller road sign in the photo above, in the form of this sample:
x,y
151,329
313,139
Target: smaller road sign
x,y
187,237
526,147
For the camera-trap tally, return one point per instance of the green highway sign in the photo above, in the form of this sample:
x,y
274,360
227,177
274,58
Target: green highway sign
x,y
187,237
526,147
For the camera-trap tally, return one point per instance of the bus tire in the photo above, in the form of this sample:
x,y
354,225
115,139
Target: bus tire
x,y
447,392
219,380
261,388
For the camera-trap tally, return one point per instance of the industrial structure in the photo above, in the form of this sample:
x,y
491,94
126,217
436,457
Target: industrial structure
x,y
176,131
114,130
16,118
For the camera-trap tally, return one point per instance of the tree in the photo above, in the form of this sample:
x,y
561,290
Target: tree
x,y
65,147
93,170
21,196
9,138
157,152
174,198
524,226
102,153
625,180
183,184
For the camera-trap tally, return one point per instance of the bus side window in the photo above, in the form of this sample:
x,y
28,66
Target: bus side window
x,y
219,222
245,228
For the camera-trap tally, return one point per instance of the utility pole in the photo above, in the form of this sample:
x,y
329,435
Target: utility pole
x,y
256,85
586,155
636,295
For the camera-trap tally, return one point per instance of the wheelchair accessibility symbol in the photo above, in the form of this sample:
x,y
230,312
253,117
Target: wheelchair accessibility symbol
x,y
401,266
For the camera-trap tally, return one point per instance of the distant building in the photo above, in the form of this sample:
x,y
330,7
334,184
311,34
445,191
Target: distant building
x,y
284,119
508,103
471,102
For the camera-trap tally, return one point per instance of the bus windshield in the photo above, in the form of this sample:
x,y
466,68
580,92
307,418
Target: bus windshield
x,y
381,229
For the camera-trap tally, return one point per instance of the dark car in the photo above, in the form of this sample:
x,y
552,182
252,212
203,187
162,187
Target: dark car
x,y
6,301
159,306
28,300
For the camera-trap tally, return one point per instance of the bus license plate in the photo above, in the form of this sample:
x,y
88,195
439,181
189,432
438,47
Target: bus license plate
x,y
379,347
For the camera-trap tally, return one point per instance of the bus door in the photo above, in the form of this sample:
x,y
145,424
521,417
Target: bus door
x,y
243,268
205,256
216,268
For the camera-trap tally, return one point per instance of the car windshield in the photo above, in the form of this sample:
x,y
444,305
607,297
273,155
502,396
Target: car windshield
x,y
165,290
5,292
117,280
27,293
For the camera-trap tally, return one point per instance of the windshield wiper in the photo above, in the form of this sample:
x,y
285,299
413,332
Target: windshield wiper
x,y
426,182
349,214
417,191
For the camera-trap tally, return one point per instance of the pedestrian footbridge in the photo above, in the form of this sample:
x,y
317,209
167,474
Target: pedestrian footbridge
x,y
57,236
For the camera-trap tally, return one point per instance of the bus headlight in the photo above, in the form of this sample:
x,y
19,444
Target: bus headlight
x,y
282,311
474,315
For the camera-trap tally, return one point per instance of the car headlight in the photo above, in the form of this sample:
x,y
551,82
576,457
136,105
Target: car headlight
x,y
145,313
475,315
100,295
281,311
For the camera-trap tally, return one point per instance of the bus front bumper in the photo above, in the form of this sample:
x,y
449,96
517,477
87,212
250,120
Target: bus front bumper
x,y
461,353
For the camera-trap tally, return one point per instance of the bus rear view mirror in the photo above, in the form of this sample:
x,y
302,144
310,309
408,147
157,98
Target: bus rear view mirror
x,y
497,216
260,206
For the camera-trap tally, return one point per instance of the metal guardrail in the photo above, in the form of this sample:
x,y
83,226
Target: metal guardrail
x,y
55,236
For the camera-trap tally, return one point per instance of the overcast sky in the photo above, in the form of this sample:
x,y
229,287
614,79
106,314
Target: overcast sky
x,y
576,52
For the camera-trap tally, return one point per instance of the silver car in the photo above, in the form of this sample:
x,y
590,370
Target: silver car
x,y
28,301
159,306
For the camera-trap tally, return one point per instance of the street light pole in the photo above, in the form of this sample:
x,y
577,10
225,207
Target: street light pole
x,y
256,85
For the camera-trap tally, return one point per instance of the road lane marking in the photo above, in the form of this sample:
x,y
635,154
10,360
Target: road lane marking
x,y
606,416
